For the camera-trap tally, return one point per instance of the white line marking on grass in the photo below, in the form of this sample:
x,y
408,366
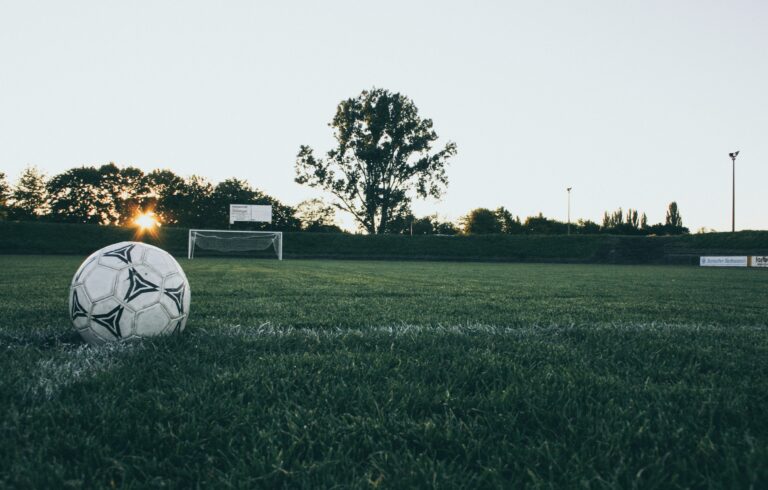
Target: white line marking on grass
x,y
74,363
270,330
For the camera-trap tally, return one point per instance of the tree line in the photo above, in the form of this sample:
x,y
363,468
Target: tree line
x,y
110,195
500,220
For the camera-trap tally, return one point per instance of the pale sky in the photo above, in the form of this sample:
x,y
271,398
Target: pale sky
x,y
633,104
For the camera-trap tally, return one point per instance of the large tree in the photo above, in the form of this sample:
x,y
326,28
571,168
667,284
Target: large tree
x,y
509,223
481,221
673,218
383,155
75,196
541,225
673,222
29,199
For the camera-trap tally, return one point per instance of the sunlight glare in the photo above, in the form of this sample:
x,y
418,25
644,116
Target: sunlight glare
x,y
146,221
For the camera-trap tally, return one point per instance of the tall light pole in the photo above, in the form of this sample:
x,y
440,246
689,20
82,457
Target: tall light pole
x,y
733,183
569,209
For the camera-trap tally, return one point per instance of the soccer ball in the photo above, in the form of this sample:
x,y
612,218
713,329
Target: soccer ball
x,y
128,290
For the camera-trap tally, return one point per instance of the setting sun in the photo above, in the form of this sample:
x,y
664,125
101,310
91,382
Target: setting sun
x,y
146,221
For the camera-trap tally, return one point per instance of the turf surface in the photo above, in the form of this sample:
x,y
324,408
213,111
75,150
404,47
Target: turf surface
x,y
392,375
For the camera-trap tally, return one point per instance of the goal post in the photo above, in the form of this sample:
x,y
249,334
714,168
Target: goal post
x,y
231,241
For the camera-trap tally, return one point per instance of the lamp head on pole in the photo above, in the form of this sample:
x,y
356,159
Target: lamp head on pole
x,y
569,189
733,155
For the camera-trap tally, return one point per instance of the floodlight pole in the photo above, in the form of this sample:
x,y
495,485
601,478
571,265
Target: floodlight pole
x,y
569,209
733,190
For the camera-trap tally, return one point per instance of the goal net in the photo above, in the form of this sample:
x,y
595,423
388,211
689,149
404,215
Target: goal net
x,y
235,242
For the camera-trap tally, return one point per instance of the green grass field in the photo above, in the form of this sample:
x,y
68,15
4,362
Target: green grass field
x,y
393,375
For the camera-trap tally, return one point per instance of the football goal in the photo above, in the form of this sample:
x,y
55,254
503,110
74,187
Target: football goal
x,y
235,242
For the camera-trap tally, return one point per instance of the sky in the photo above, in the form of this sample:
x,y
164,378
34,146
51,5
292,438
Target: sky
x,y
633,104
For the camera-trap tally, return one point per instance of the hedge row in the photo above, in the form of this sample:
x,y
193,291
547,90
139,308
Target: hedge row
x,y
58,238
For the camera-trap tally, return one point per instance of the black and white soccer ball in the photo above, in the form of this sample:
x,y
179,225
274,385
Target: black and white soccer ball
x,y
128,290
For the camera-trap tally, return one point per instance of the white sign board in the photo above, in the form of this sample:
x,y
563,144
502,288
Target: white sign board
x,y
759,261
723,261
249,212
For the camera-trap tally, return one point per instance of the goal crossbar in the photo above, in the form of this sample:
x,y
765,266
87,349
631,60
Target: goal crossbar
x,y
234,241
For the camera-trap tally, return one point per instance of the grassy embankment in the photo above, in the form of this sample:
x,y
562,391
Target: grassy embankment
x,y
52,238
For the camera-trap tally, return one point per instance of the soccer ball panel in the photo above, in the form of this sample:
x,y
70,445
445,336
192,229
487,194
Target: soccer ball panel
x,y
138,286
152,321
159,260
79,307
187,297
84,268
178,324
99,282
111,320
120,255
175,296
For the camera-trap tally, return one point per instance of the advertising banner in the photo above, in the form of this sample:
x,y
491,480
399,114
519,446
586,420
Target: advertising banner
x,y
736,261
250,212
758,261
